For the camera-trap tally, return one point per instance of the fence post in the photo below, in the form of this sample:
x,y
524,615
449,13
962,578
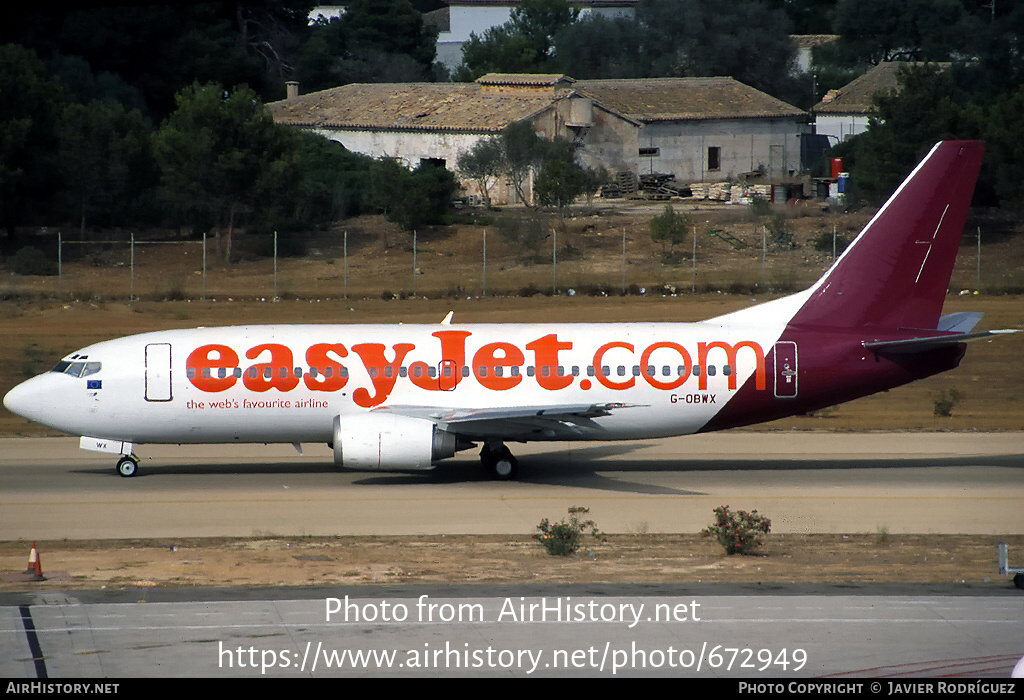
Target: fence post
x,y
345,255
203,296
275,265
554,261
623,261
693,261
484,293
60,265
131,292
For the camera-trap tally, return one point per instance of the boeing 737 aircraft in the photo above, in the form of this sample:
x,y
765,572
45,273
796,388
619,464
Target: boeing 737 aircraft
x,y
402,397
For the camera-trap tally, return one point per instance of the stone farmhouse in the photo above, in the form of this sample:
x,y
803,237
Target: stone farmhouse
x,y
694,128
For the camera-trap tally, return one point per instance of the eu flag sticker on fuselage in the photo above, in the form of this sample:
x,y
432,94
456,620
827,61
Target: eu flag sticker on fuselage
x,y
94,384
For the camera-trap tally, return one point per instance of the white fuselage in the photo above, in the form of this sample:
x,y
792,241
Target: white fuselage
x,y
287,383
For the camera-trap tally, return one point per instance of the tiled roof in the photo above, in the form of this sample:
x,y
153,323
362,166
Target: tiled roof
x,y
666,99
410,106
439,18
807,41
857,97
545,79
475,107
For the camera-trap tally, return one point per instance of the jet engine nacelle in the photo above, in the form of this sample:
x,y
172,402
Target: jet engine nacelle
x,y
387,441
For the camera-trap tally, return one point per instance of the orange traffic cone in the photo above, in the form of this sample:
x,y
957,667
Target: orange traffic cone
x,y
35,566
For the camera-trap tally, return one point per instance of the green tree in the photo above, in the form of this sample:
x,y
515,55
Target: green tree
x,y
221,156
540,21
741,38
390,26
412,198
1005,140
499,50
106,160
525,44
907,122
30,105
598,47
483,163
524,150
334,182
669,229
561,179
873,31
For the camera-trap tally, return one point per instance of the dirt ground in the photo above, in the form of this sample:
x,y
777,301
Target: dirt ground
x,y
628,558
42,319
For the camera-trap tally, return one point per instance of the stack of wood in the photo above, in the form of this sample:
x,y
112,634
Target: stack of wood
x,y
624,184
763,191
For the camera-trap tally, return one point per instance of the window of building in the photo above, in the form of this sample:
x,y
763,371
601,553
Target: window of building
x,y
714,158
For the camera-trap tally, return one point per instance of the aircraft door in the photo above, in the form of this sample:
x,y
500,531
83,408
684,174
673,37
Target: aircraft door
x,y
785,369
158,372
447,376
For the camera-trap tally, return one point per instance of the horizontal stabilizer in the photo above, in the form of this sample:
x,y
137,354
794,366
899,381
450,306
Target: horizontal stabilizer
x,y
962,322
911,345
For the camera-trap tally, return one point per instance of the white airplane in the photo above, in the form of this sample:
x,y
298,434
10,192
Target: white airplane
x,y
402,397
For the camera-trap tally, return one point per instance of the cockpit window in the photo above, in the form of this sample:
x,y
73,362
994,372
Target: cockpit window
x,y
77,369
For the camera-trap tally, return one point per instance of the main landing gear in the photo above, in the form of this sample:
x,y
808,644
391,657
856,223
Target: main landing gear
x,y
127,465
498,461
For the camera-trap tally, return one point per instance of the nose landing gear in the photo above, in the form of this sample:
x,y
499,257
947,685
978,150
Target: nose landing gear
x,y
127,465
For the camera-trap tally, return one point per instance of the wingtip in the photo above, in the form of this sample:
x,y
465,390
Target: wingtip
x,y
447,321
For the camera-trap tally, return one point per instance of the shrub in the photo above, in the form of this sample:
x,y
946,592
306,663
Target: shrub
x,y
563,538
947,401
739,532
823,242
30,260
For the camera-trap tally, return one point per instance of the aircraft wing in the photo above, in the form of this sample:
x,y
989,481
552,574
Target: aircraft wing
x,y
513,423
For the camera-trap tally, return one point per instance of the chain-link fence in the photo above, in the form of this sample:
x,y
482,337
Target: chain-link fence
x,y
359,266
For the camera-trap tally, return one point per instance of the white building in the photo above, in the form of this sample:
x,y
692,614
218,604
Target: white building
x,y
697,129
436,122
702,129
846,112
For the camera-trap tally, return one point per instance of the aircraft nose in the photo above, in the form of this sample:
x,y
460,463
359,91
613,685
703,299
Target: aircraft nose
x,y
32,400
17,399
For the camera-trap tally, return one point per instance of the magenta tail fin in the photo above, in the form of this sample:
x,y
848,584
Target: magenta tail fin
x,y
896,272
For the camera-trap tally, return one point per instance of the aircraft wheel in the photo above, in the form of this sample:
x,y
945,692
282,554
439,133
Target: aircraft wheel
x,y
1018,580
127,466
500,462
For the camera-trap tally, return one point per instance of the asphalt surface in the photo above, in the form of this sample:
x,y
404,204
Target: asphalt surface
x,y
809,482
966,483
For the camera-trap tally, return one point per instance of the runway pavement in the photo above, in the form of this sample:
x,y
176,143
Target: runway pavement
x,y
808,482
969,483
835,635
